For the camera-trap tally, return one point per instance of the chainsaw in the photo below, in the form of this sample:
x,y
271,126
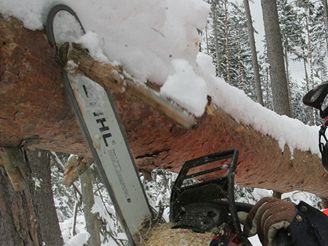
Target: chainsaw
x,y
203,199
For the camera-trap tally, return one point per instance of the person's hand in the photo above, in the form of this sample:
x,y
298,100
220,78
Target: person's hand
x,y
269,216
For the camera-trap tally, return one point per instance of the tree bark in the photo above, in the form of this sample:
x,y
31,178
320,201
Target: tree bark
x,y
281,103
18,221
34,105
226,42
325,11
280,87
91,219
214,5
206,39
286,57
256,70
42,196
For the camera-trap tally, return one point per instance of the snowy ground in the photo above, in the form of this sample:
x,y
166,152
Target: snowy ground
x,y
81,236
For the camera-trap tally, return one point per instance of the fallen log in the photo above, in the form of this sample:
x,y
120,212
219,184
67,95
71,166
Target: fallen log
x,y
34,111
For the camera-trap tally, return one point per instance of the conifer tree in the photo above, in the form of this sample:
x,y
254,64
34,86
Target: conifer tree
x,y
275,54
256,70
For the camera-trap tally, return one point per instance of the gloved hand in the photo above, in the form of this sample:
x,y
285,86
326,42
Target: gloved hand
x,y
267,217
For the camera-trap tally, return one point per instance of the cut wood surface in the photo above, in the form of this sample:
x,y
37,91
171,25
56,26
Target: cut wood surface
x,y
163,235
34,109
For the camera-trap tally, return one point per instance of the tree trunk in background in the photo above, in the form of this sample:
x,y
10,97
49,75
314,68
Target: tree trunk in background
x,y
40,183
214,5
256,70
310,61
226,42
206,39
267,88
280,95
306,75
325,10
18,221
91,219
310,111
309,48
240,67
287,74
281,101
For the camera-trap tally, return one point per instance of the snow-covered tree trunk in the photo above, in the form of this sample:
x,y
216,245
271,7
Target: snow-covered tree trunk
x,y
42,196
281,101
256,70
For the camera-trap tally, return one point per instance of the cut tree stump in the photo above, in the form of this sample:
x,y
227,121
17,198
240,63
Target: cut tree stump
x,y
34,109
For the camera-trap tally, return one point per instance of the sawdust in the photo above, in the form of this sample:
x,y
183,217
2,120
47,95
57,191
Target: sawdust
x,y
163,235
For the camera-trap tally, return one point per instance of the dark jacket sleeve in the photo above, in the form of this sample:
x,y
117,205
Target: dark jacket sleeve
x,y
310,227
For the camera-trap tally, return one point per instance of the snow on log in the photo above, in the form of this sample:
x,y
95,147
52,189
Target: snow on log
x,y
34,112
115,79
